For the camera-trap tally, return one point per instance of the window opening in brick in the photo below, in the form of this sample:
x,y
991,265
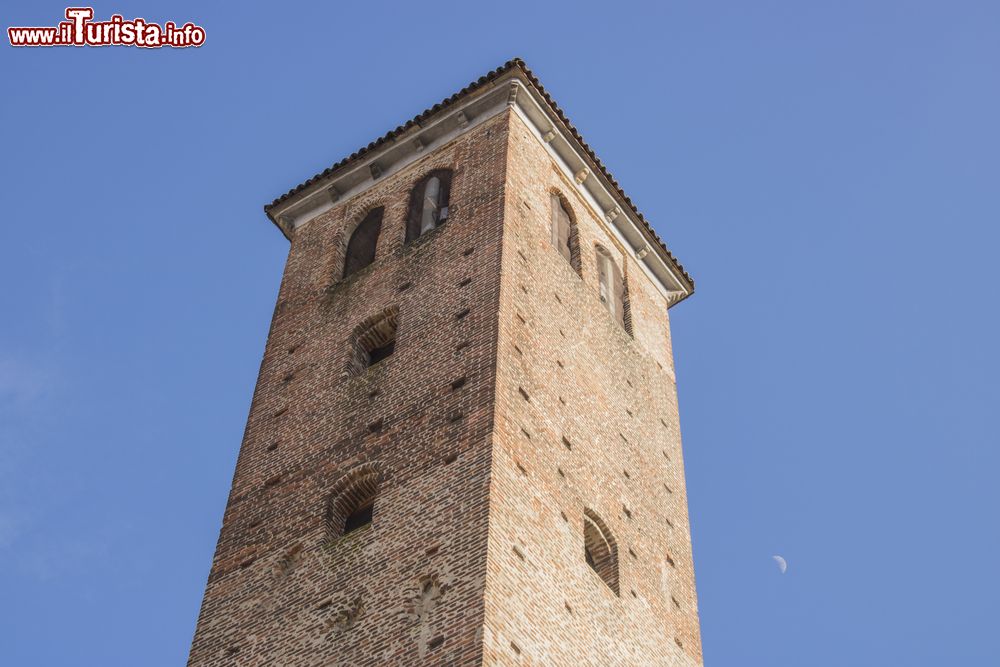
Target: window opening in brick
x,y
351,506
429,203
600,549
381,352
359,518
375,340
612,288
564,235
364,239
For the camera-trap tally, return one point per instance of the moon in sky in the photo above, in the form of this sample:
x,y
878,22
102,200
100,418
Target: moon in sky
x,y
782,564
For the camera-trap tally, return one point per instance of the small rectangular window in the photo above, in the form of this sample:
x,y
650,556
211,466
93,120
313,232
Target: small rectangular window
x,y
380,353
360,518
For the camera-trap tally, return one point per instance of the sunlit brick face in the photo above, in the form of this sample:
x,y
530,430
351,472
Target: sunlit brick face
x,y
462,448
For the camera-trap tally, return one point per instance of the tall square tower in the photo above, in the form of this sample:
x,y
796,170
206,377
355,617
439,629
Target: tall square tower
x,y
463,446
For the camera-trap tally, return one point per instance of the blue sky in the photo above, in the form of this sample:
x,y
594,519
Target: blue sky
x,y
828,172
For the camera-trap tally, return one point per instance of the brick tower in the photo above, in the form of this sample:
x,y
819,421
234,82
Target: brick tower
x,y
463,446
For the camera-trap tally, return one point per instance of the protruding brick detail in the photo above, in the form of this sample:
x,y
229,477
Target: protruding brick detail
x,y
490,465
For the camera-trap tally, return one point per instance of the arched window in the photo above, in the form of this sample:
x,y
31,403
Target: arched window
x,y
352,502
564,235
374,340
428,203
600,549
612,288
361,246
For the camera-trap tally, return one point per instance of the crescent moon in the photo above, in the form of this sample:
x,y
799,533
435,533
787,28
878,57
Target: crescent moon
x,y
782,563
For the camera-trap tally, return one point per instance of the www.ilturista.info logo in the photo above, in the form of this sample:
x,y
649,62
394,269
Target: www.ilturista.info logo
x,y
80,30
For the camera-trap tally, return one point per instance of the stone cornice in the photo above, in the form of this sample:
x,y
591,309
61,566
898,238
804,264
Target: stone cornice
x,y
514,90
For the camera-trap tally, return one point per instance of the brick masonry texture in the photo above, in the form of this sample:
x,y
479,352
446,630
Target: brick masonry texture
x,y
475,552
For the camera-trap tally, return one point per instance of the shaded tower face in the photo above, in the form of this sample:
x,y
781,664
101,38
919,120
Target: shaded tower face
x,y
463,447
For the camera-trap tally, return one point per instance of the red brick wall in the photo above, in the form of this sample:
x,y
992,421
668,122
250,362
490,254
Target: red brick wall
x,y
279,593
613,398
436,578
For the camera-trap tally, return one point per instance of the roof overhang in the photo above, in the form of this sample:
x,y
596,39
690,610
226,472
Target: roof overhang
x,y
512,87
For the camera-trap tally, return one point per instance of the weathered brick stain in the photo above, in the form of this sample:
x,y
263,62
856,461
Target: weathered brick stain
x,y
512,403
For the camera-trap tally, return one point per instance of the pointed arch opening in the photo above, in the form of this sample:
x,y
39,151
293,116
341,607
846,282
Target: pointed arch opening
x,y
600,549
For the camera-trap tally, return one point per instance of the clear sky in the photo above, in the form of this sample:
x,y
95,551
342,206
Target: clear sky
x,y
829,172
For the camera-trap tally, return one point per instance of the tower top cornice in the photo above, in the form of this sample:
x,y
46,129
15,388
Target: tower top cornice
x,y
511,86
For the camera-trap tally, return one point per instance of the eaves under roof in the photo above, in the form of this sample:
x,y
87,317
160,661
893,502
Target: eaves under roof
x,y
422,118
